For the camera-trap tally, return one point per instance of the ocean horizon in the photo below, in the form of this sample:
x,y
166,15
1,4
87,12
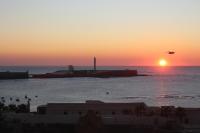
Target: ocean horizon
x,y
176,86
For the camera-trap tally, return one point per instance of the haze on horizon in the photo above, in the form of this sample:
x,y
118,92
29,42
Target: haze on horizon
x,y
117,32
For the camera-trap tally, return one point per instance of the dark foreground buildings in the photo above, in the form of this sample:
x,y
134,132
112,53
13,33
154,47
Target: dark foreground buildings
x,y
99,117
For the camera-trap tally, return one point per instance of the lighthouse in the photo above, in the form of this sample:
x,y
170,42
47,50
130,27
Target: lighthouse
x,y
95,64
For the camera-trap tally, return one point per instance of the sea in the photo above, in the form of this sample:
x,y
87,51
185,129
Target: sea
x,y
165,86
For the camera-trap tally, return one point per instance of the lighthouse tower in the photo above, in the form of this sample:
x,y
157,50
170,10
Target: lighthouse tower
x,y
95,64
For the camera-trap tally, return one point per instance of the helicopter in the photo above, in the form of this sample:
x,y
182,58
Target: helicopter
x,y
171,52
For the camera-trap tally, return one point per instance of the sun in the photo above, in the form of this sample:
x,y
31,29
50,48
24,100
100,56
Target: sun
x,y
162,62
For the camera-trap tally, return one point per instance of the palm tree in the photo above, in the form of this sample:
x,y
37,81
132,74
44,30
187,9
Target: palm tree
x,y
17,100
11,98
1,106
12,107
3,99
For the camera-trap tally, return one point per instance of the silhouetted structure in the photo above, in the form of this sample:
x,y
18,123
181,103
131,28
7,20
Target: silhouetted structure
x,y
95,64
99,117
97,106
89,73
14,75
70,73
71,68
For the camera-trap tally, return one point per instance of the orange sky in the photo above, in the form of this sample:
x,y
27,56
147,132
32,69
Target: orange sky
x,y
128,33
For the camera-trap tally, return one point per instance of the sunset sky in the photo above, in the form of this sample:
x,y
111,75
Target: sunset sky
x,y
117,32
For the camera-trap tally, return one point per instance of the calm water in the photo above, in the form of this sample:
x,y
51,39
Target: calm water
x,y
179,86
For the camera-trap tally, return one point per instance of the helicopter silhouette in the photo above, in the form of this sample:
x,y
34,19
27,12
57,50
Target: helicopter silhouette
x,y
171,52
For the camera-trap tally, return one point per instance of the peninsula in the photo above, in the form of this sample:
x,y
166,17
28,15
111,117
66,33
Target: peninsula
x,y
70,73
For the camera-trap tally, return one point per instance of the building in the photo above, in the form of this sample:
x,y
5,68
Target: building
x,y
97,106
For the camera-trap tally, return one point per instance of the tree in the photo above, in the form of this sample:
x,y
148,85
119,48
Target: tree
x,y
2,105
22,108
12,107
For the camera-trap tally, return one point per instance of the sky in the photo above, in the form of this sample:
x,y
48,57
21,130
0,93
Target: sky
x,y
117,32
